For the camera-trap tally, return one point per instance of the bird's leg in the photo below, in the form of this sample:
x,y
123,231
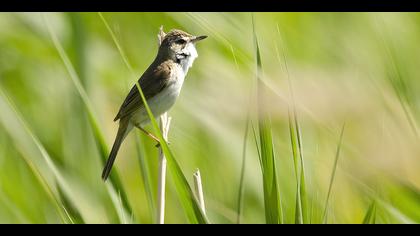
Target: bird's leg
x,y
149,135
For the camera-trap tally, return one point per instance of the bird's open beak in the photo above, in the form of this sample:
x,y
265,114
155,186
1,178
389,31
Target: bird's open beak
x,y
198,38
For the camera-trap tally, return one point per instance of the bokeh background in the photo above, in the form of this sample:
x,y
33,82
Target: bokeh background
x,y
361,69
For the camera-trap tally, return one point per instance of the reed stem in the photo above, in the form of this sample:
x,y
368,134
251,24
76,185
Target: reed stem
x,y
198,187
165,121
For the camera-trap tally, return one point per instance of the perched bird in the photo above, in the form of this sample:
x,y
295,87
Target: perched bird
x,y
161,84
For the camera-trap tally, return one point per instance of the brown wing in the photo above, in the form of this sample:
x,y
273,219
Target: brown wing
x,y
153,81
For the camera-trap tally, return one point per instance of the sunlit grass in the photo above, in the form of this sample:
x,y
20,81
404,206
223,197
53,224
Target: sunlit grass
x,y
272,204
99,137
258,116
337,155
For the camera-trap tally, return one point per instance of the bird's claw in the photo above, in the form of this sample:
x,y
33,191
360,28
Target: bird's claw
x,y
158,144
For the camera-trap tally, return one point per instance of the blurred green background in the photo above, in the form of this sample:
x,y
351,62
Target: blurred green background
x,y
357,68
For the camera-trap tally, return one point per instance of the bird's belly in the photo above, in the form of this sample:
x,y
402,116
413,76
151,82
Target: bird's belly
x,y
158,104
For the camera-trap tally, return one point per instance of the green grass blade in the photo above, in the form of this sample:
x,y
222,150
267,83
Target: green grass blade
x,y
99,137
396,214
5,105
303,197
293,139
271,194
7,204
301,215
337,155
406,198
397,79
146,177
117,44
242,178
241,188
19,135
298,208
69,209
79,39
370,217
254,132
302,183
298,174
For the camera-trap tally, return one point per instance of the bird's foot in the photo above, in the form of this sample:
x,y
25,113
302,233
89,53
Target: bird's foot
x,y
158,144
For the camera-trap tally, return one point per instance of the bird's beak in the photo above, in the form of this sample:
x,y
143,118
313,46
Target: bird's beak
x,y
198,38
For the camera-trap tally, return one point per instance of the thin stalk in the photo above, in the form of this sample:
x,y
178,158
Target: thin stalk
x,y
296,142
242,178
120,50
146,176
370,217
272,205
198,187
165,122
337,155
243,166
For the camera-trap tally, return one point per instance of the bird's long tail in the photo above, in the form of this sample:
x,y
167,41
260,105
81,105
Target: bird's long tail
x,y
122,133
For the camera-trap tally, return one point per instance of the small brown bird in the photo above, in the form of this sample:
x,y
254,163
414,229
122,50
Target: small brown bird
x,y
161,84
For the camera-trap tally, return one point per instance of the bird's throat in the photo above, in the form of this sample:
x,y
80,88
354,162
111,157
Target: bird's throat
x,y
190,55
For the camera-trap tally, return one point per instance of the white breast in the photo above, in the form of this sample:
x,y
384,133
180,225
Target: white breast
x,y
163,101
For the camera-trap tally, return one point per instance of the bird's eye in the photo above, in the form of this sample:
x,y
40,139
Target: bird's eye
x,y
180,41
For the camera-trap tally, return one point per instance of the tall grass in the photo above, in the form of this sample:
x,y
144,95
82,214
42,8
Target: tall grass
x,y
273,213
99,137
301,208
47,69
337,155
370,217
19,130
241,188
396,74
44,168
296,143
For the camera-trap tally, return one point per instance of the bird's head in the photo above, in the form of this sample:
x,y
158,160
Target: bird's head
x,y
179,45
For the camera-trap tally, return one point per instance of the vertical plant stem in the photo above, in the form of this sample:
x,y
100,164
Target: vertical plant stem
x,y
199,190
164,126
161,189
120,50
301,214
337,155
146,176
370,217
273,212
242,178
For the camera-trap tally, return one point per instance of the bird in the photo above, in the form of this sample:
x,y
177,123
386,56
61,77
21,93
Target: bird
x,y
161,85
